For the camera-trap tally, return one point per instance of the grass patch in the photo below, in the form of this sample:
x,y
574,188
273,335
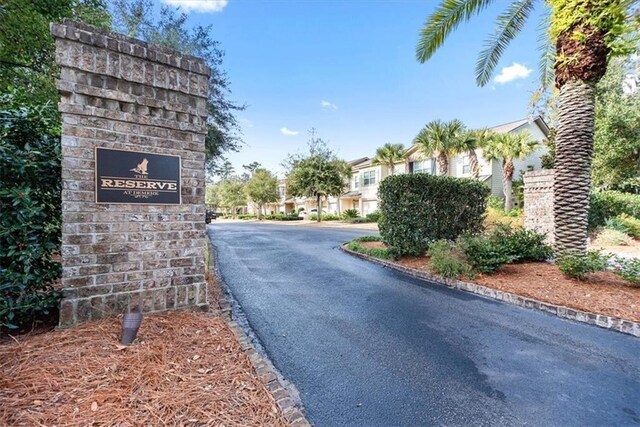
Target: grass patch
x,y
355,245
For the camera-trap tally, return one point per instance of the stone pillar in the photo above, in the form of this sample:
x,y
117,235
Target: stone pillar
x,y
123,94
538,202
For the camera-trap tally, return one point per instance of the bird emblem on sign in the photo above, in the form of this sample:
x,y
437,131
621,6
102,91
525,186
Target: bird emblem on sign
x,y
141,168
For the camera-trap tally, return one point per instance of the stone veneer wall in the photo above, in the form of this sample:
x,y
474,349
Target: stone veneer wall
x,y
122,93
538,202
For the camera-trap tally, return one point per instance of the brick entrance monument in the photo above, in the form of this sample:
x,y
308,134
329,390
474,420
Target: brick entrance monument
x,y
134,124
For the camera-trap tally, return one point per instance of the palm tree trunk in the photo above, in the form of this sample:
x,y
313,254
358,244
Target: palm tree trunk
x,y
574,150
443,163
507,184
474,166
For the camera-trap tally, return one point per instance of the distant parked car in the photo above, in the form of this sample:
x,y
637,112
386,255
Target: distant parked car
x,y
210,215
303,214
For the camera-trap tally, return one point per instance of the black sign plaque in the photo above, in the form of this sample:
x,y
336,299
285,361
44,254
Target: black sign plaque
x,y
137,177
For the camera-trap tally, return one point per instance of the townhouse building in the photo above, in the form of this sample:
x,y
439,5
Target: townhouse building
x,y
361,193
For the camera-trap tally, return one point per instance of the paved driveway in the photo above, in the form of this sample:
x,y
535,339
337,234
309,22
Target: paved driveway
x,y
367,346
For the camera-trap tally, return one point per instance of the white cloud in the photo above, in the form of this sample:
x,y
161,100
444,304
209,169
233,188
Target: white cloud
x,y
288,132
327,105
199,5
512,72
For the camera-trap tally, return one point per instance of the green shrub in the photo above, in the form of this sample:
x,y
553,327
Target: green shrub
x,y
628,269
382,253
609,204
521,244
373,216
515,213
616,224
577,264
447,261
611,237
283,217
30,190
368,239
350,213
418,209
250,216
358,220
482,254
495,202
631,224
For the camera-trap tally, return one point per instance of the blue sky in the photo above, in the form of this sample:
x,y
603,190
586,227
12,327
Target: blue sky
x,y
285,57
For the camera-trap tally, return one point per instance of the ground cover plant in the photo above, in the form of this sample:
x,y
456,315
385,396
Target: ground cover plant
x,y
356,245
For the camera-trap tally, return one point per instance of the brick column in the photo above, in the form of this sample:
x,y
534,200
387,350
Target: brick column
x,y
538,202
124,94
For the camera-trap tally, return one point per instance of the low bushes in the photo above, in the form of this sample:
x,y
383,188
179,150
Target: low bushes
x,y
418,209
631,224
612,237
350,213
325,217
30,191
521,244
482,254
283,217
355,245
610,204
628,269
448,261
577,264
373,216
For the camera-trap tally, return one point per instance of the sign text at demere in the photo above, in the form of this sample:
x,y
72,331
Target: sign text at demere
x,y
137,177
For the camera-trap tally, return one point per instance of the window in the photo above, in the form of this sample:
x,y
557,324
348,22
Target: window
x,y
368,178
281,191
356,181
423,166
466,168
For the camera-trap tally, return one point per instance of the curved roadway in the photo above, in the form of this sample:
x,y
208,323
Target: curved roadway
x,y
367,346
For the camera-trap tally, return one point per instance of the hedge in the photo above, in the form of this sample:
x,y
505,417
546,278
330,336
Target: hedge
x,y
417,209
609,204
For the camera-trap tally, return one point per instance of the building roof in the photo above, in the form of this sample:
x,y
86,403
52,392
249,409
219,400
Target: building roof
x,y
348,194
358,161
512,126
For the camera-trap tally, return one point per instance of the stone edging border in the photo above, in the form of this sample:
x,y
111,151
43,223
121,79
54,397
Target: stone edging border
x,y
607,322
264,369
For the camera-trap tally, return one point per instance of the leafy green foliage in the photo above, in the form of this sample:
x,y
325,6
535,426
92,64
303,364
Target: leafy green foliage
x,y
368,239
318,174
137,18
482,254
262,188
325,217
30,223
609,204
350,213
577,264
616,155
390,154
448,261
418,209
495,202
628,269
373,216
283,217
232,194
382,253
631,224
520,244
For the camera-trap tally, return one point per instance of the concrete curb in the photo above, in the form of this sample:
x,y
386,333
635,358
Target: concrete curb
x,y
607,322
290,406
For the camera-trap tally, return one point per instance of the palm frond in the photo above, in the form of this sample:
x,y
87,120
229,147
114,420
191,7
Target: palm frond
x,y
547,50
446,18
509,24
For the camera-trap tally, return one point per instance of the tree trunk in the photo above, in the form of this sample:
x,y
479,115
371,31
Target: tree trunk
x,y
393,169
319,216
443,163
474,166
574,150
507,184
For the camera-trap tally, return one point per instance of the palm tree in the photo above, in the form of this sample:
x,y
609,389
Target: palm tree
x,y
390,154
441,139
470,142
508,147
584,35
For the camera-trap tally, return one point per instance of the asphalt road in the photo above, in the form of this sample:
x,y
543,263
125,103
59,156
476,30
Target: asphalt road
x,y
366,346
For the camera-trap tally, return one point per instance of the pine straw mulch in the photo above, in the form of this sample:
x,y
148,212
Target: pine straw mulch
x,y
185,368
602,293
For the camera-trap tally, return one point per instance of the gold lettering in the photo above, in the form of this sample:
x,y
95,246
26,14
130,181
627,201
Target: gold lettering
x,y
130,184
152,185
172,186
107,183
118,183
